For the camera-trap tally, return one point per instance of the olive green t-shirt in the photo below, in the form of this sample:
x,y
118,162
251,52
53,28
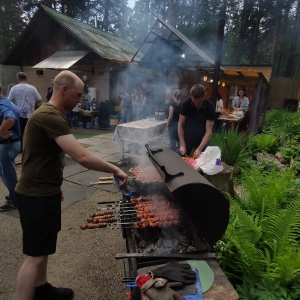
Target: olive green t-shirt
x,y
42,158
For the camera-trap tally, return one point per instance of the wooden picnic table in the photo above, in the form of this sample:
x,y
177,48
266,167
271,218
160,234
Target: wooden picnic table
x,y
233,120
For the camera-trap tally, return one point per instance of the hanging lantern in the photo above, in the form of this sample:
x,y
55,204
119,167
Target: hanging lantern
x,y
204,78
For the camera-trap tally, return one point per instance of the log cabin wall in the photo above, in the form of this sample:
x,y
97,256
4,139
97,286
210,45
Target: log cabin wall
x,y
47,40
100,79
284,88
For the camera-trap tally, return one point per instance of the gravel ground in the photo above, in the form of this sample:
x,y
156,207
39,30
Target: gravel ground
x,y
84,260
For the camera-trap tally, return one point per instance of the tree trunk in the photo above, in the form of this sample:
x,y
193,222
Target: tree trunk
x,y
282,40
254,113
219,48
171,13
276,39
254,40
106,15
290,65
241,39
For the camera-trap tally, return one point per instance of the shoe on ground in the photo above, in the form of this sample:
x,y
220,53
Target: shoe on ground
x,y
49,292
8,207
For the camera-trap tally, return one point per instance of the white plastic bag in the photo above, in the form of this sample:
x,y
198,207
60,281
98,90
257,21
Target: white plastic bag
x,y
210,161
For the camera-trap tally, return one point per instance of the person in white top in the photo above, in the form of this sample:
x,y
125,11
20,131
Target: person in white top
x,y
26,97
219,104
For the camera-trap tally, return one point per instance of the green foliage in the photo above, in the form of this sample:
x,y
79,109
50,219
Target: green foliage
x,y
267,187
248,36
290,151
231,144
260,248
259,251
264,289
262,142
11,24
282,123
294,190
295,166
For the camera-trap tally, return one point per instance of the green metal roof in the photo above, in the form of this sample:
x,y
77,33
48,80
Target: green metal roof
x,y
101,43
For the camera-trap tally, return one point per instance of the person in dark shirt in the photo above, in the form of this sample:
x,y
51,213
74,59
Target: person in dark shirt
x,y
148,104
196,122
49,93
126,104
172,122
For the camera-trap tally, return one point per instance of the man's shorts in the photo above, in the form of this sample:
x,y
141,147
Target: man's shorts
x,y
41,221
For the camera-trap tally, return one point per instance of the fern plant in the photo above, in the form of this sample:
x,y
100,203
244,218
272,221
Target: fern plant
x,y
265,289
265,190
262,238
262,142
290,151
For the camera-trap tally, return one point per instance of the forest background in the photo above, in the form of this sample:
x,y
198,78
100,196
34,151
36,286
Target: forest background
x,y
257,32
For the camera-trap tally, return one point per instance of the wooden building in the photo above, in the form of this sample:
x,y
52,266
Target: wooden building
x,y
107,64
52,42
172,53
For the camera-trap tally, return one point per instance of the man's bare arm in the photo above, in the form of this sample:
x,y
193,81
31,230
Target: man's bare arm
x,y
5,127
171,110
86,158
180,130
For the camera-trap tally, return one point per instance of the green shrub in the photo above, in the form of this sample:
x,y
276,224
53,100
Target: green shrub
x,y
262,142
261,243
290,151
231,144
265,289
282,123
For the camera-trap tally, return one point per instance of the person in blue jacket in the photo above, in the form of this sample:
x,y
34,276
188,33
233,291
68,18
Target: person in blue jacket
x,y
240,102
10,145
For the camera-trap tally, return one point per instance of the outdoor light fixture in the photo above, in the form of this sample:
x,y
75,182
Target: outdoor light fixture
x,y
211,80
183,56
204,78
218,82
223,83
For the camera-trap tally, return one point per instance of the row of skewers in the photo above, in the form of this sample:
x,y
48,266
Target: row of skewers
x,y
104,219
147,174
141,212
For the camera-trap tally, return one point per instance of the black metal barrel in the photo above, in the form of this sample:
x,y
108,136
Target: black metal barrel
x,y
206,206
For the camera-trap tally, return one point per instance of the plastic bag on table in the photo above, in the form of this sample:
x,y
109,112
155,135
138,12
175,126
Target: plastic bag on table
x,y
210,161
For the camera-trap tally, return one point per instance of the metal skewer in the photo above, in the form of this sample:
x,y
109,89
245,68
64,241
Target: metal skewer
x,y
115,207
114,202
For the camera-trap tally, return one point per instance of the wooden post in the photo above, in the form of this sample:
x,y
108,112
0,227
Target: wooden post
x,y
219,47
253,117
222,181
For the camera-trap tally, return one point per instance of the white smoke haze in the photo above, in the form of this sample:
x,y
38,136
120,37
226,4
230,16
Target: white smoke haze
x,y
131,3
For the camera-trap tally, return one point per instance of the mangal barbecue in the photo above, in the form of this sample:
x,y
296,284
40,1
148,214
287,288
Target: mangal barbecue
x,y
169,212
